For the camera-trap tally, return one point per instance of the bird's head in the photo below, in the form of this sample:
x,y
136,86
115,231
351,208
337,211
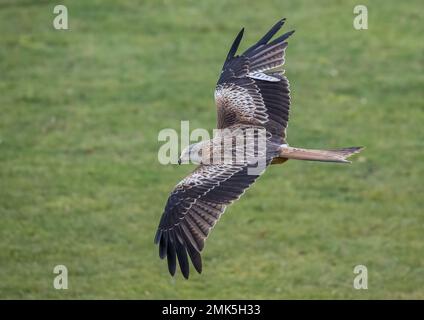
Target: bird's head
x,y
192,153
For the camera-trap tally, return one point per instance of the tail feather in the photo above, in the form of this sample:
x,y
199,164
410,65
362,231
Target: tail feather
x,y
332,155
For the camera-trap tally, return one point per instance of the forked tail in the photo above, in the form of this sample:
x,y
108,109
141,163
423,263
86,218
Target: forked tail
x,y
335,155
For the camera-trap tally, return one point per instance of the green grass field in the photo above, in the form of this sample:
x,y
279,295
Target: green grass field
x,y
80,183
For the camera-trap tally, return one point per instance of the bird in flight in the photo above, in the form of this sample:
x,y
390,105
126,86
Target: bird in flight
x,y
252,95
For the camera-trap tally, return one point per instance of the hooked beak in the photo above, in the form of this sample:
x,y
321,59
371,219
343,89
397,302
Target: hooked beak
x,y
179,160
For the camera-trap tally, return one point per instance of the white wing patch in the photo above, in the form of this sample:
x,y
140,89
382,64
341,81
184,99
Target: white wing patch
x,y
262,76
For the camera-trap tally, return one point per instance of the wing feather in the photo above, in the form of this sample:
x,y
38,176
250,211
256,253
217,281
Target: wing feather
x,y
252,87
171,254
252,92
191,212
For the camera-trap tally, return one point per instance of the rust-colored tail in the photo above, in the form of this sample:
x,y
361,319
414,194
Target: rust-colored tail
x,y
335,155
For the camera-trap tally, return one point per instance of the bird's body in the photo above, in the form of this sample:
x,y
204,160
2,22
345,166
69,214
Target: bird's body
x,y
253,100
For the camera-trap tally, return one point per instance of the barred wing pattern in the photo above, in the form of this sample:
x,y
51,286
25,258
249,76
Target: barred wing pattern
x,y
252,88
252,92
194,207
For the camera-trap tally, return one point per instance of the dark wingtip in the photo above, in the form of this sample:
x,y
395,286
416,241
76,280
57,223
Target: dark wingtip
x,y
183,260
283,37
235,45
172,259
198,267
185,269
163,245
271,32
267,37
196,259
288,34
157,236
172,269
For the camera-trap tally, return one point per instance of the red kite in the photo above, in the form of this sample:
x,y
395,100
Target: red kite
x,y
252,93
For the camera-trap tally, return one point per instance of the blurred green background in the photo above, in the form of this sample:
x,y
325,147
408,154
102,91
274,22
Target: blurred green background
x,y
80,183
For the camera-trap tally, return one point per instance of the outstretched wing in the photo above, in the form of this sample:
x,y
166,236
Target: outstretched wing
x,y
252,88
194,207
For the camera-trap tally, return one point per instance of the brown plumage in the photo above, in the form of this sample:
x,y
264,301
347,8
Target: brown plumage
x,y
252,94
